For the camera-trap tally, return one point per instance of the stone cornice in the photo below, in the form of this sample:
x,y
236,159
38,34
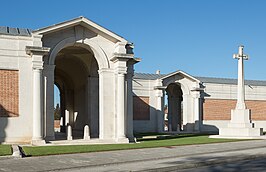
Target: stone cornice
x,y
33,50
197,89
159,87
121,57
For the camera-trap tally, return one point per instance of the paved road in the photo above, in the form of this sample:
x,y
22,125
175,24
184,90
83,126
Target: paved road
x,y
191,163
153,159
257,164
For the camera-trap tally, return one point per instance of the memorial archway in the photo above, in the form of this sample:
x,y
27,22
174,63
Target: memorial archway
x,y
76,74
175,112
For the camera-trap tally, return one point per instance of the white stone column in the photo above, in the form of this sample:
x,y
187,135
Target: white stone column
x,y
187,106
37,54
120,61
48,73
37,135
129,103
101,104
121,104
196,97
159,108
106,104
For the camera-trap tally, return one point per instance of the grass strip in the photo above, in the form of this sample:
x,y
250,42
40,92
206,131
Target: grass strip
x,y
5,150
174,141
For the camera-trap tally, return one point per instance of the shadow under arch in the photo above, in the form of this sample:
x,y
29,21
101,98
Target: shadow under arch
x,y
76,74
88,44
175,109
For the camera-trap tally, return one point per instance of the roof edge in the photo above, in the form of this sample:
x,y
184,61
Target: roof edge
x,y
78,20
183,73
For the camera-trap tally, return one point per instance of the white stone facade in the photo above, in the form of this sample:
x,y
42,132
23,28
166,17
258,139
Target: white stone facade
x,y
196,90
94,71
91,66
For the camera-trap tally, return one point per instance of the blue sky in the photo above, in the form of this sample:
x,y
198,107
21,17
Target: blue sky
x,y
196,36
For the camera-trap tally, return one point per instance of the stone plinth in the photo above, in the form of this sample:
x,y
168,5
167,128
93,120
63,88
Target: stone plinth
x,y
38,142
240,126
122,140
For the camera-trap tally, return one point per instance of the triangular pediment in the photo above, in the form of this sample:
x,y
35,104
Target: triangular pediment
x,y
177,75
84,22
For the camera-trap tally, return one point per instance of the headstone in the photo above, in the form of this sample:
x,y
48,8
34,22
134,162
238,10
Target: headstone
x,y
86,133
69,132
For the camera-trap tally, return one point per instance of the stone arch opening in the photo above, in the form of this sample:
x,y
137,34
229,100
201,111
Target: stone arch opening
x,y
88,44
76,74
174,107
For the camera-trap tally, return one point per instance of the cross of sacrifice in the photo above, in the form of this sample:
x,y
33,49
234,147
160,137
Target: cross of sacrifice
x,y
240,84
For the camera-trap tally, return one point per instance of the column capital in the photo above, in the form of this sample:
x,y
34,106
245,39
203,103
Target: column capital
x,y
121,70
37,65
195,94
37,54
105,70
158,93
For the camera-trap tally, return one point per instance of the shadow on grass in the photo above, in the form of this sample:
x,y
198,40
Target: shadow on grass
x,y
23,154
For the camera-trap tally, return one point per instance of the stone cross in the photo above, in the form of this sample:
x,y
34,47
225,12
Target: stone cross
x,y
240,87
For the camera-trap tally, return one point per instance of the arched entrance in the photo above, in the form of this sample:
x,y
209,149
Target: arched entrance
x,y
76,75
175,110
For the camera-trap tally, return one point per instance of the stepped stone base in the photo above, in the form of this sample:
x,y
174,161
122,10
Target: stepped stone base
x,y
241,132
240,126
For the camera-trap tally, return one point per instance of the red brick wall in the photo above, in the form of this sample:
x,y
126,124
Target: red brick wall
x,y
220,109
141,108
9,93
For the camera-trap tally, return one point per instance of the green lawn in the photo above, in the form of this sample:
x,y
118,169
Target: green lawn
x,y
5,150
145,142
